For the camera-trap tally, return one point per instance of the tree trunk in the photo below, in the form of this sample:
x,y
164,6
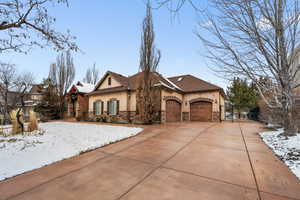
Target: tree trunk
x,y
288,113
6,112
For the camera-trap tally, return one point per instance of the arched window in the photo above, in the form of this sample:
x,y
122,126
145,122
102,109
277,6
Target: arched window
x,y
109,80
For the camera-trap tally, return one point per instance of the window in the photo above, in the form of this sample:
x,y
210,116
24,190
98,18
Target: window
x,y
113,107
98,108
109,80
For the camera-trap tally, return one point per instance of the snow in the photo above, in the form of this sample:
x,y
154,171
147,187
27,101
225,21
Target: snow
x,y
286,148
82,87
179,79
60,140
163,84
173,84
85,88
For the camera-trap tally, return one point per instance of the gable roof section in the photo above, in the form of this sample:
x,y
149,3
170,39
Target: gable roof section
x,y
133,81
118,77
189,83
82,87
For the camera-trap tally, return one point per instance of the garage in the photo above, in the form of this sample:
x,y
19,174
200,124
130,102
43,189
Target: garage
x,y
201,111
173,111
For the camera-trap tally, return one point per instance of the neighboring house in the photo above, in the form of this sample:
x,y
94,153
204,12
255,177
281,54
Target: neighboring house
x,y
14,101
181,98
77,99
36,92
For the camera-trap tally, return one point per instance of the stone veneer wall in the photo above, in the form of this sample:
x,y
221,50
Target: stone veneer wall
x,y
216,117
185,116
130,116
163,116
122,117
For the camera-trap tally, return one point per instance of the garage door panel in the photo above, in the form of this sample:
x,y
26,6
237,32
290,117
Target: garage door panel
x,y
201,111
173,111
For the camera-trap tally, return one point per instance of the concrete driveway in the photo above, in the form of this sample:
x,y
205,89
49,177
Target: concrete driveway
x,y
194,161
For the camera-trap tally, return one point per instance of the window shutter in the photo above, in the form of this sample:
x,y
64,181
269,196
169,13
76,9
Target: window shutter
x,y
108,108
94,108
118,105
102,107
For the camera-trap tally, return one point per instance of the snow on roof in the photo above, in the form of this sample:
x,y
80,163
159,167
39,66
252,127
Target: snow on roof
x,y
180,78
83,87
163,84
175,86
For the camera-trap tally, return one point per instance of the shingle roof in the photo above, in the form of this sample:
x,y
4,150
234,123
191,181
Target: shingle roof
x,y
133,81
189,83
183,83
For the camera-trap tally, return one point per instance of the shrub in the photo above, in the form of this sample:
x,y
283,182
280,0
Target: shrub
x,y
33,123
16,127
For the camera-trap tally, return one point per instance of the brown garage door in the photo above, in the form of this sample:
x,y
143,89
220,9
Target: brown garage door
x,y
173,111
201,111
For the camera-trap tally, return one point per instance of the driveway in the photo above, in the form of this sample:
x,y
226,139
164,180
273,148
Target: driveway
x,y
194,161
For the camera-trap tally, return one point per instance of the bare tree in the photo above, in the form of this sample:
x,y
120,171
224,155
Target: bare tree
x,y
62,74
27,23
7,83
149,60
257,39
176,5
92,75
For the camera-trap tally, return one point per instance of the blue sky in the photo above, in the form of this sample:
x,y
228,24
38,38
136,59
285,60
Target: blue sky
x,y
109,31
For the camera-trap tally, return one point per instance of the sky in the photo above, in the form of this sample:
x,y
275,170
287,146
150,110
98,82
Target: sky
x,y
108,33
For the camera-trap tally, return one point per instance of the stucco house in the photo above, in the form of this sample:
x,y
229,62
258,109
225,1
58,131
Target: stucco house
x,y
181,98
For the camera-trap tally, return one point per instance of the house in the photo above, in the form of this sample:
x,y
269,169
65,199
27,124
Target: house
x,y
14,101
77,99
181,98
36,92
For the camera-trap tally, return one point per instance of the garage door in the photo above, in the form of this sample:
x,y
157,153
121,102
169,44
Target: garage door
x,y
173,111
201,111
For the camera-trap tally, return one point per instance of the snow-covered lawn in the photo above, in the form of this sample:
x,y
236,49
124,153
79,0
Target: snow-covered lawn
x,y
19,154
286,148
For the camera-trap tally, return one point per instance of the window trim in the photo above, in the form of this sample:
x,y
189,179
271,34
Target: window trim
x,y
100,107
116,107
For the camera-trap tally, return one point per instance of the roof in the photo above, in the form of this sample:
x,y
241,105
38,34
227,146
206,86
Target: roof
x,y
189,83
83,87
183,83
158,80
123,80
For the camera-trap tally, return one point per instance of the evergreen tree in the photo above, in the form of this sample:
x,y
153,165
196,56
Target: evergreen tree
x,y
242,96
49,107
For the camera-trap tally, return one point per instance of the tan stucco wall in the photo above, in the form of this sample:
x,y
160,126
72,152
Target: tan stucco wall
x,y
104,84
217,99
165,93
210,95
121,96
132,101
222,104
